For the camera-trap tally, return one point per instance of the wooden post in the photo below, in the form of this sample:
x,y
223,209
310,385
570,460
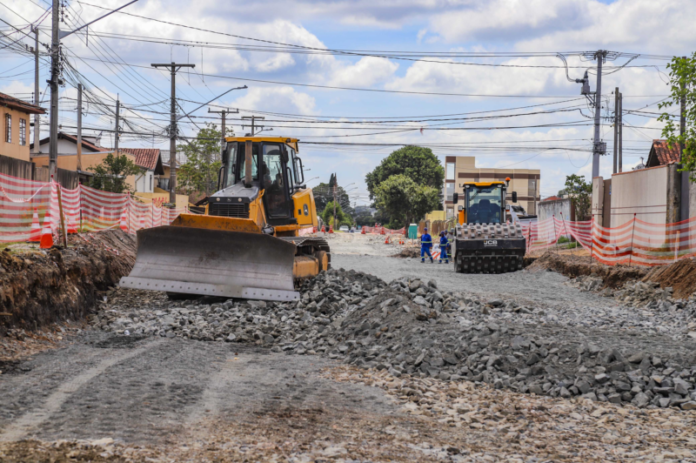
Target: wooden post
x,y
633,231
62,218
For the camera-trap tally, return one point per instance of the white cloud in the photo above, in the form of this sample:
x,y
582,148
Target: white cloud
x,y
276,99
365,73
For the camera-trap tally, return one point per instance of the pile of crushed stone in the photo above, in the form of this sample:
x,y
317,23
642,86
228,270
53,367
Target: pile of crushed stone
x,y
411,327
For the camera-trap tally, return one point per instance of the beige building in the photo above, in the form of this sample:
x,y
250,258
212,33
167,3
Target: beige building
x,y
15,119
462,169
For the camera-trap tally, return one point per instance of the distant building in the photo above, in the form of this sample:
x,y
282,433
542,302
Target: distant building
x,y
462,169
14,136
150,161
662,154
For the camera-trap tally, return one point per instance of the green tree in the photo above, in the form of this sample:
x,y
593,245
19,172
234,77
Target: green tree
x,y
323,194
200,171
341,217
418,164
580,192
111,174
682,74
404,200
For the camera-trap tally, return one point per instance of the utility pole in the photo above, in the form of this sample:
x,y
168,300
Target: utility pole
x,y
117,129
79,127
620,132
56,36
223,113
685,184
334,198
53,83
599,147
253,123
173,68
616,129
37,98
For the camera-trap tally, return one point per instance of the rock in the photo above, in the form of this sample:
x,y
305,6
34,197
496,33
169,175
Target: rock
x,y
532,359
641,400
635,358
420,300
601,378
414,285
688,406
519,342
614,398
583,387
681,387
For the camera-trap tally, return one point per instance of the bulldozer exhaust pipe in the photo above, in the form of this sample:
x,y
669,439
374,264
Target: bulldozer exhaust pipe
x,y
248,153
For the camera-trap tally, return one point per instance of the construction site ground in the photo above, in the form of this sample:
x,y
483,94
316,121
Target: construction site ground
x,y
103,395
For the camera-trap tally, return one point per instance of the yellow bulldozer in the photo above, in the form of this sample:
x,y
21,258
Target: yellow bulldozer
x,y
247,245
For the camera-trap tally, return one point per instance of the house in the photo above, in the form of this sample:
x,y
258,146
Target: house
x,y
662,154
14,136
92,155
150,161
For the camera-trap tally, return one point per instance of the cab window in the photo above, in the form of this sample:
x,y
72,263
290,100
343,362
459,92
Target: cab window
x,y
254,161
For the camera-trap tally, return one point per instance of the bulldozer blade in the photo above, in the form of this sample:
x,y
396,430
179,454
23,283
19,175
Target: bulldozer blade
x,y
213,263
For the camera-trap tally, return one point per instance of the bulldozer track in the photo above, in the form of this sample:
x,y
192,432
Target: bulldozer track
x,y
317,244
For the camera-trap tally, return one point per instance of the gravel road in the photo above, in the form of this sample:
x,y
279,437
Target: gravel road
x,y
541,289
166,398
145,391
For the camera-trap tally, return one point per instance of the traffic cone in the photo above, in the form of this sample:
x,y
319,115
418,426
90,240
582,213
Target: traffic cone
x,y
124,221
363,231
35,232
387,240
330,228
47,232
72,223
382,232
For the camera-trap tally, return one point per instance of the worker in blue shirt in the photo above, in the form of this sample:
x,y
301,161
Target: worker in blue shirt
x,y
444,244
426,244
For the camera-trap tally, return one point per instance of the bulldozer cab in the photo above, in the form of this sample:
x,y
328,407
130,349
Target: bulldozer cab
x,y
251,166
484,203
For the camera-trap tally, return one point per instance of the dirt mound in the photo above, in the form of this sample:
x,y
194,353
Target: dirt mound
x,y
406,253
681,276
574,266
39,287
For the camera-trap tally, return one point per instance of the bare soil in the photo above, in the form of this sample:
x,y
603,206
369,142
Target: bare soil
x,y
41,287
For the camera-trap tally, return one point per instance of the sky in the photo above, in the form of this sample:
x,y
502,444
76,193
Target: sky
x,y
464,77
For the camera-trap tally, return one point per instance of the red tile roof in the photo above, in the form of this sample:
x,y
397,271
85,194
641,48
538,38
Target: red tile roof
x,y
148,158
662,154
16,103
551,198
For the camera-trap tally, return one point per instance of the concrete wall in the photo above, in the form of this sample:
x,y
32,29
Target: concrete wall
x,y
161,198
561,208
643,192
14,149
597,208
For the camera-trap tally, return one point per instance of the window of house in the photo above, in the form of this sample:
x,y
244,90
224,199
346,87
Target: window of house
x,y
450,191
450,212
8,128
450,171
23,132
